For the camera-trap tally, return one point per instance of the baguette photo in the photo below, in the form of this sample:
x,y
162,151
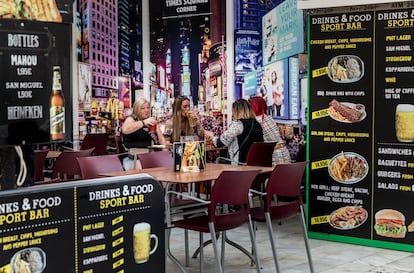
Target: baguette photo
x,y
39,10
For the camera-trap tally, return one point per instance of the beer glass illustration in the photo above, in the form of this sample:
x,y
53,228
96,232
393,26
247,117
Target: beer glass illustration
x,y
142,242
404,125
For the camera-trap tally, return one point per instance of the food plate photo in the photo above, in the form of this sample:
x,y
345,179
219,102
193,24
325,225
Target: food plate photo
x,y
348,167
345,69
28,260
348,217
346,112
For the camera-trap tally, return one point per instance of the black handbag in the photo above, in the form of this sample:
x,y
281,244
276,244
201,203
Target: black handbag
x,y
228,160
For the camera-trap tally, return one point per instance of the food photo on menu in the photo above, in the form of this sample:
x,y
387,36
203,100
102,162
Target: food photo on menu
x,y
391,223
348,167
345,69
189,156
28,260
346,112
348,217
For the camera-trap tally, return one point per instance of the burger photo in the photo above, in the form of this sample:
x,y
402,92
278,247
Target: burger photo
x,y
390,223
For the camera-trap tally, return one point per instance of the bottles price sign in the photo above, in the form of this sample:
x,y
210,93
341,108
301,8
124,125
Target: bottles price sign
x,y
101,225
35,84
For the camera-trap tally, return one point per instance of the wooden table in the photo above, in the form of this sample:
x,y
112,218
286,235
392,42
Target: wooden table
x,y
167,174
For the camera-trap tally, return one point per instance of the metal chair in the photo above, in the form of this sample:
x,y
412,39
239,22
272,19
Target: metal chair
x,y
220,219
66,167
92,166
285,180
260,154
98,141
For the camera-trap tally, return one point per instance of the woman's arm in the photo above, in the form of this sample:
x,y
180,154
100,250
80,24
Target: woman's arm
x,y
235,129
130,125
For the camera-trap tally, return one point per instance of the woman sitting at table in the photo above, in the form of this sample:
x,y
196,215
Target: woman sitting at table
x,y
136,133
241,133
270,131
183,122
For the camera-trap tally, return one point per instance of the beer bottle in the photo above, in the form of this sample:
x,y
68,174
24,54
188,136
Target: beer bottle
x,y
57,107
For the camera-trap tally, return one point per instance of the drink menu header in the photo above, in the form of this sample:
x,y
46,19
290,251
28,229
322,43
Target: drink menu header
x,y
361,142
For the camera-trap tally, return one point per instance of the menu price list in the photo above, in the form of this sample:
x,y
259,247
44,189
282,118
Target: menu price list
x,y
378,142
394,140
340,123
31,49
30,228
110,226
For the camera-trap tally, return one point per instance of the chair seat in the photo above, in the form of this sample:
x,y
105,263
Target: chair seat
x,y
200,223
282,211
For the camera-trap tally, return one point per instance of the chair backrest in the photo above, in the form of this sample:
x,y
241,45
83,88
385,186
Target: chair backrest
x,y
39,158
285,180
156,159
92,166
66,166
99,141
260,154
118,144
231,188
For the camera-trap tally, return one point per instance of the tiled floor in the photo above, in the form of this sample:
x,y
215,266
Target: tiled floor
x,y
328,257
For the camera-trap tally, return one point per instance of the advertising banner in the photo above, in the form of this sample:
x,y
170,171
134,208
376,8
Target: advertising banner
x,y
102,225
248,52
250,85
282,29
275,88
360,182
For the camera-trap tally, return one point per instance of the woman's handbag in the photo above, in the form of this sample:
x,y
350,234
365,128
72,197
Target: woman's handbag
x,y
228,160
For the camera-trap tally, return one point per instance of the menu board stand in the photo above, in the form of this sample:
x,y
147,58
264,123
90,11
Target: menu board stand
x,y
361,129
113,224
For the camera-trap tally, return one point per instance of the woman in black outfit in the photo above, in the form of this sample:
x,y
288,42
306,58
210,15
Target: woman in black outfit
x,y
241,133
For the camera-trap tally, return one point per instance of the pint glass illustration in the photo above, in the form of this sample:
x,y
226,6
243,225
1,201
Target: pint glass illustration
x,y
142,242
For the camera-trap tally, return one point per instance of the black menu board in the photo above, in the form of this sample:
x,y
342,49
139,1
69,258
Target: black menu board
x,y
28,51
361,167
102,225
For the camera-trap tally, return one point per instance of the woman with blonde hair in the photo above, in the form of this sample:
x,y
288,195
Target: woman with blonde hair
x,y
183,122
241,133
136,133
270,131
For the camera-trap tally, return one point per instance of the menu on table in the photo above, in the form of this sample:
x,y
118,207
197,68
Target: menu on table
x,y
102,225
361,142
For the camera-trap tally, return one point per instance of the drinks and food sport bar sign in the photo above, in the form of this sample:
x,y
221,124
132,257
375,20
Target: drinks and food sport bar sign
x,y
361,131
29,51
102,225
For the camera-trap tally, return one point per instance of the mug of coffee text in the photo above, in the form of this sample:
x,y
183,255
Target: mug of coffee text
x,y
142,242
404,122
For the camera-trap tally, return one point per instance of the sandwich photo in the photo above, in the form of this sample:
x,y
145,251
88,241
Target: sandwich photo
x,y
390,223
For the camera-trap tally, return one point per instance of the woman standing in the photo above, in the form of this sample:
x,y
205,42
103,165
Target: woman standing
x,y
241,133
270,131
277,91
183,122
